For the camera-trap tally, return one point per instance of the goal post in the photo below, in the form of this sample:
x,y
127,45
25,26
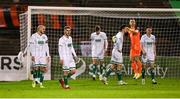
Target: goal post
x,y
165,23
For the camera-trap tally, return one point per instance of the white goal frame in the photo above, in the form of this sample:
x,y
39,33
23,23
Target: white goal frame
x,y
30,8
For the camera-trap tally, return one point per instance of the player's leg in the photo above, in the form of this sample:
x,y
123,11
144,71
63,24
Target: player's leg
x,y
101,69
143,73
42,71
65,84
107,73
34,72
119,75
144,66
94,68
139,66
152,66
133,63
72,71
134,66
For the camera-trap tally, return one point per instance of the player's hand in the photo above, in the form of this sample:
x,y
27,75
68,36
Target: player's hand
x,y
33,58
76,59
105,52
61,61
48,59
154,57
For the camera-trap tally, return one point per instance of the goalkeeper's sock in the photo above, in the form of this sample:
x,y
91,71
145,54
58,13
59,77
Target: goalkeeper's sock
x,y
133,65
65,80
143,73
108,72
119,75
152,73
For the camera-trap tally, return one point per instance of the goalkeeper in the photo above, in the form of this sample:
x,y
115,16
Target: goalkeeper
x,y
99,46
66,53
135,51
117,59
149,53
39,50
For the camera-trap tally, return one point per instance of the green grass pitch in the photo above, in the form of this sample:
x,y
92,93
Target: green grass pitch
x,y
87,88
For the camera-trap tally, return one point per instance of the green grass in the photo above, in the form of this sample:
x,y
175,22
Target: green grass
x,y
86,88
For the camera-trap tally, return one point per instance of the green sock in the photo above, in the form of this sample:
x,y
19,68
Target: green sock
x,y
38,74
41,76
69,75
101,69
34,73
143,73
119,75
108,72
65,80
152,73
94,68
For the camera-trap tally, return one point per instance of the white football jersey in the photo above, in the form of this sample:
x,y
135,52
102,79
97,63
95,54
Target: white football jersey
x,y
39,45
66,49
116,57
118,41
98,43
148,44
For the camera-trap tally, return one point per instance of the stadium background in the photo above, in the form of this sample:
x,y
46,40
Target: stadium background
x,y
10,35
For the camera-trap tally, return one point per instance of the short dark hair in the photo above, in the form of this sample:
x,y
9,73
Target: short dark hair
x,y
122,27
148,26
97,28
67,27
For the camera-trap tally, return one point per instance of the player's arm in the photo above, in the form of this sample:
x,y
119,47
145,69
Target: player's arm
x,y
132,30
105,43
73,51
119,44
32,47
154,47
142,46
91,38
47,49
60,50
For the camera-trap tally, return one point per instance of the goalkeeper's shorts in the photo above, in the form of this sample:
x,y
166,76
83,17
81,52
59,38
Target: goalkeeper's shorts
x,y
134,52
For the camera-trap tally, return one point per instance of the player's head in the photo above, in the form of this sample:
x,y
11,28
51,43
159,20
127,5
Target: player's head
x,y
123,28
132,22
148,29
97,29
67,30
41,29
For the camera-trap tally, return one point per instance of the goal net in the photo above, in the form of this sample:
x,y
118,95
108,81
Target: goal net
x,y
165,23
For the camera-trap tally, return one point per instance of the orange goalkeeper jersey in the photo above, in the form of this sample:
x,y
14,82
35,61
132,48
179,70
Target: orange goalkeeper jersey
x,y
135,44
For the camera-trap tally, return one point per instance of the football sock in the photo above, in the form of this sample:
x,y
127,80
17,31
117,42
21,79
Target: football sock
x,y
152,73
119,75
108,72
143,73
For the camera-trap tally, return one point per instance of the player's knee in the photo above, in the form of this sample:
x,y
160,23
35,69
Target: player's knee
x,y
35,68
65,72
119,67
44,69
73,71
